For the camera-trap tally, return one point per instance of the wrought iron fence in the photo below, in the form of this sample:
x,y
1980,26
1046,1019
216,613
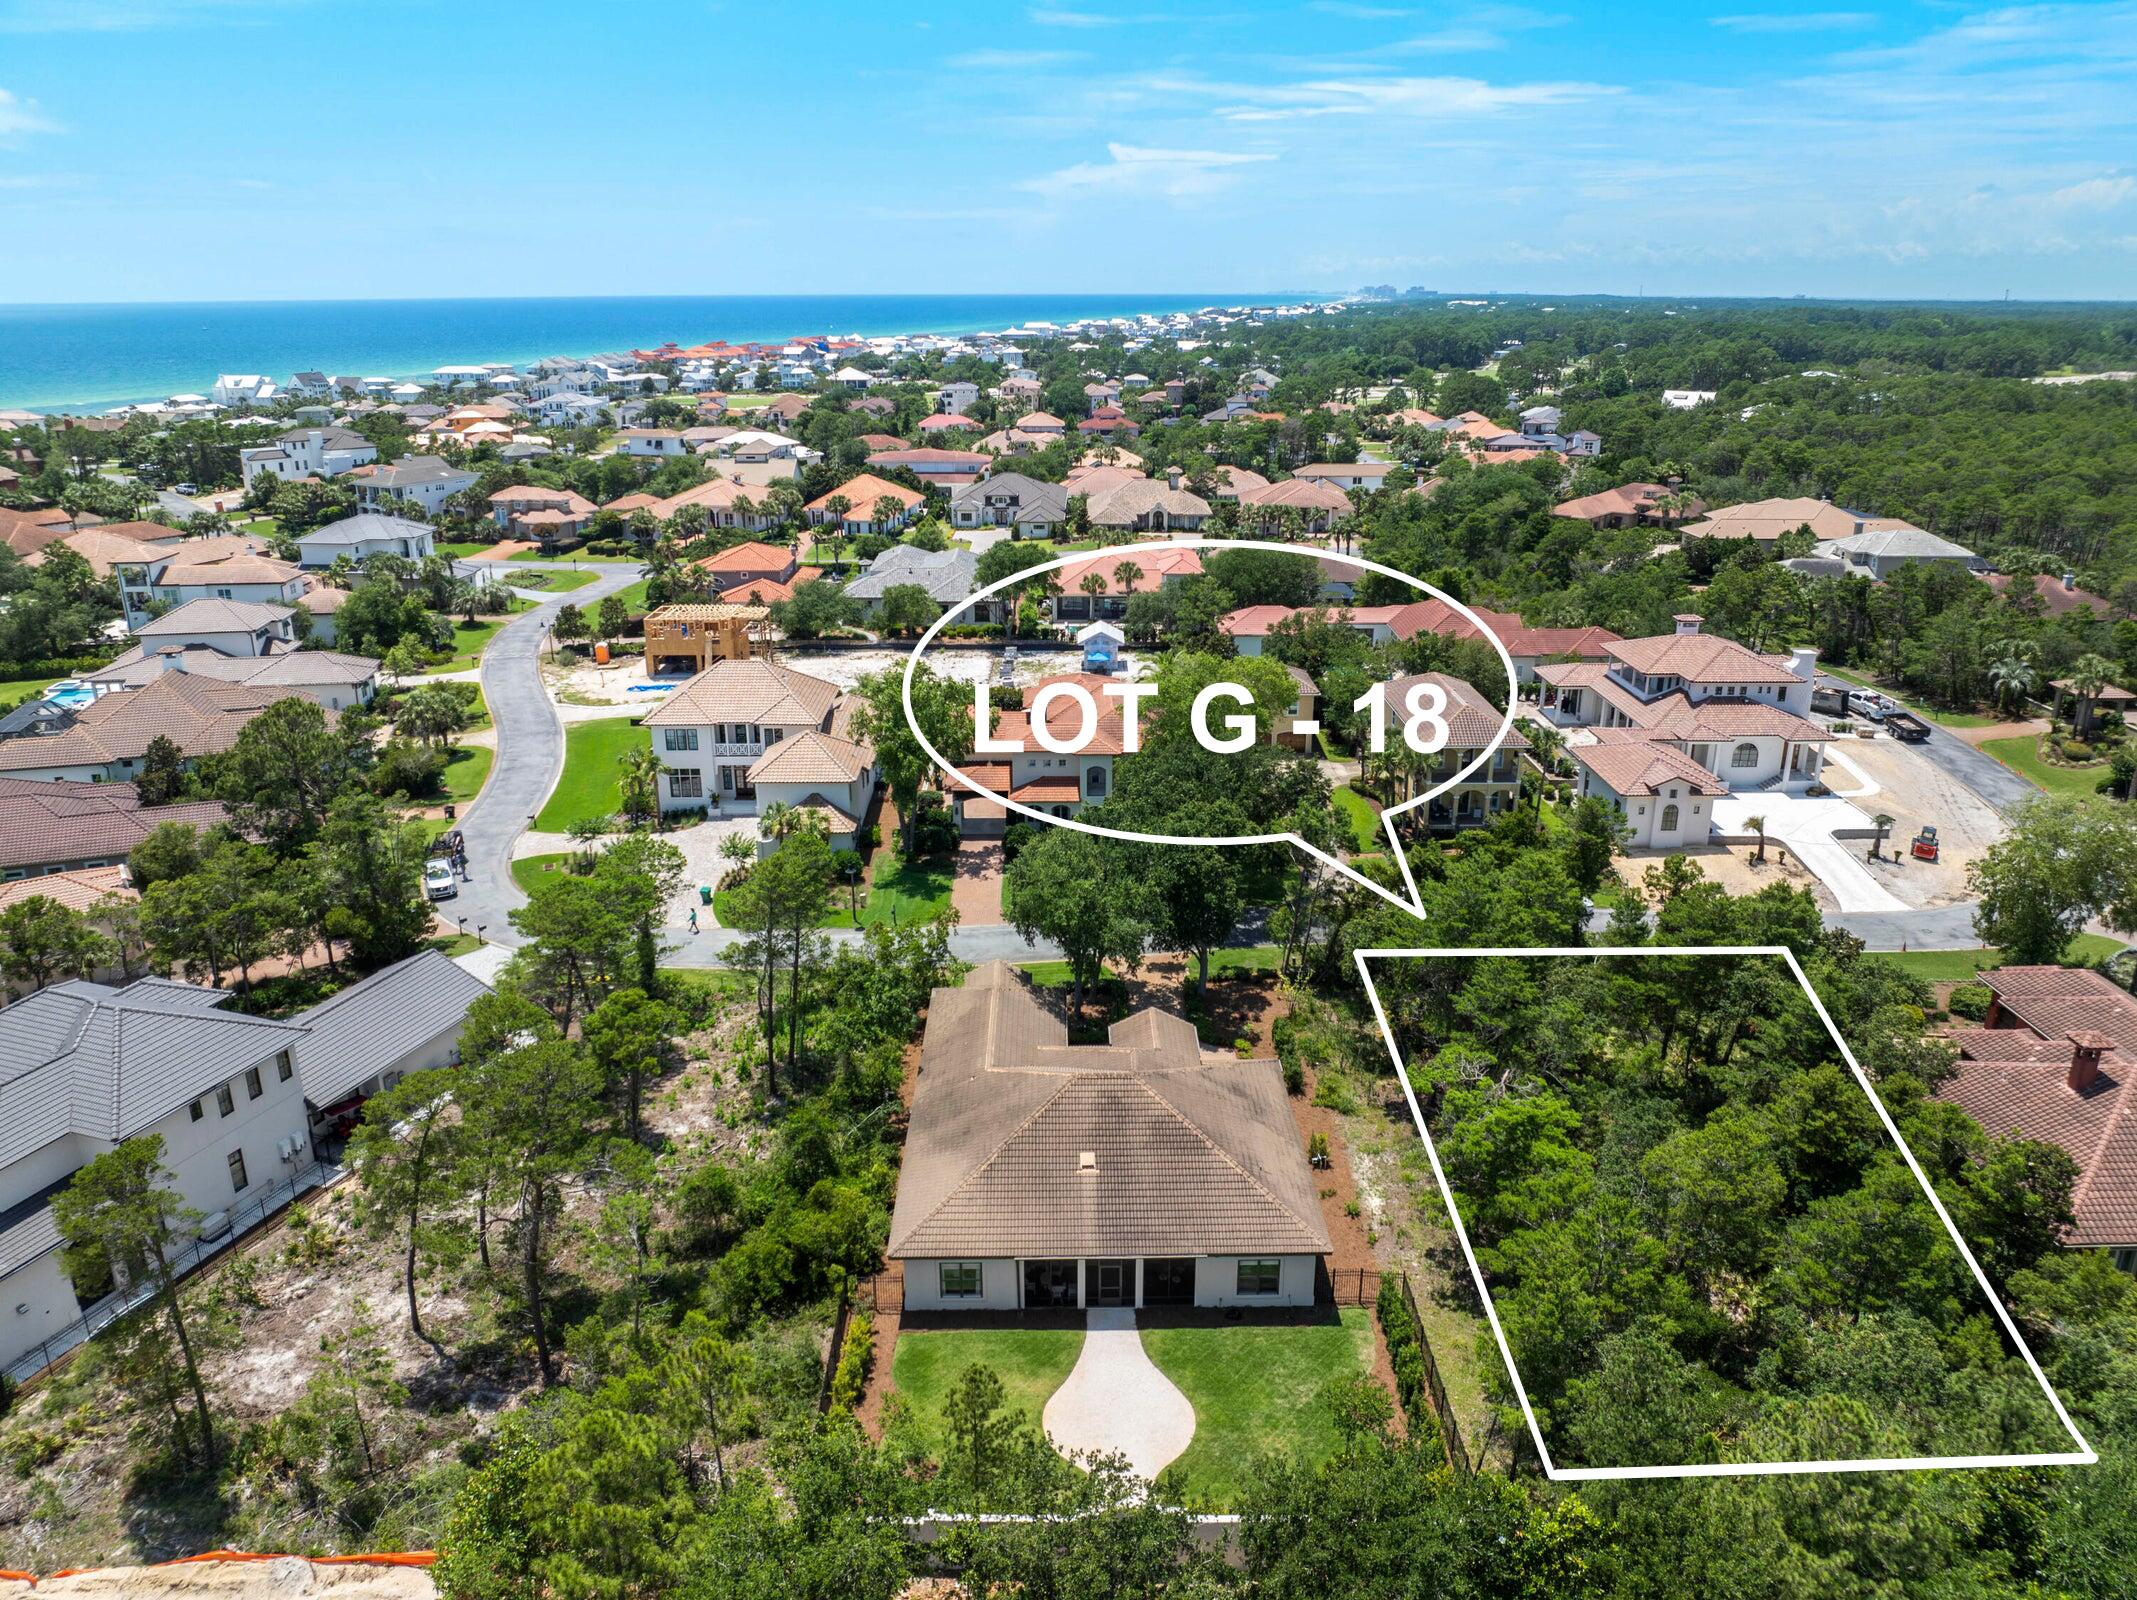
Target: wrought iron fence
x,y
1450,1430
244,1217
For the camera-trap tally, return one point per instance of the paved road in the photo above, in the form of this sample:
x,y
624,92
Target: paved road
x,y
530,754
1984,774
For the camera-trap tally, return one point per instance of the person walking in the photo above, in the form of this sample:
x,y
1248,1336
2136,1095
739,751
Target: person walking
x,y
693,919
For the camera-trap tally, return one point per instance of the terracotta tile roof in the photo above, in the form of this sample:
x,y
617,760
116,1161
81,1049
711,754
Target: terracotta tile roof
x,y
944,421
1345,469
861,494
812,757
1230,482
751,690
42,821
768,591
751,556
1155,565
77,890
1472,722
1064,721
1187,1155
1055,789
1123,504
2056,600
1643,766
1308,494
1627,500
1700,658
1767,520
923,456
2053,1000
104,548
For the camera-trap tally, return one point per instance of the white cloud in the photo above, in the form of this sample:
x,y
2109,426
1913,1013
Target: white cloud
x,y
1138,170
1795,22
1342,8
1429,98
1049,18
22,116
1014,60
2095,194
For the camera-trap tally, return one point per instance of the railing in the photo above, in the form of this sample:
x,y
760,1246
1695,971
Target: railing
x,y
244,1217
1435,1390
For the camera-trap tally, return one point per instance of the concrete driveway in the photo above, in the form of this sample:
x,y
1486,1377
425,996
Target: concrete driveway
x,y
1116,1400
1805,825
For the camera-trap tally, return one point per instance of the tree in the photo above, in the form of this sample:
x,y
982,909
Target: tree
x,y
943,708
640,784
1083,894
972,1416
907,609
286,769
584,931
2089,674
162,777
1197,889
1758,825
171,850
119,1215
818,607
570,625
404,1152
433,713
2064,862
371,864
780,901
41,940
625,1033
613,616
1883,824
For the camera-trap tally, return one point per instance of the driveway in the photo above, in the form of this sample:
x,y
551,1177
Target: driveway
x,y
976,887
1805,825
530,755
1116,1400
1984,774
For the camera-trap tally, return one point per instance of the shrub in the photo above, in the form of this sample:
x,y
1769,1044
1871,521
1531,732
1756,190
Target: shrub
x,y
2075,750
1015,838
1971,1000
849,1380
1244,1047
1406,1354
405,767
1294,1075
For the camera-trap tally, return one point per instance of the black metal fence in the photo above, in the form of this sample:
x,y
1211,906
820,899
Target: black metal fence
x,y
1435,1390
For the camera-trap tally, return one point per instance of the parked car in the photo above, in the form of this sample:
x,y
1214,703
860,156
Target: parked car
x,y
438,880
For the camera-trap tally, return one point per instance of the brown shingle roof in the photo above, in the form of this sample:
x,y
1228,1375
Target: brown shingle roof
x,y
1194,1155
1471,721
42,822
751,690
199,715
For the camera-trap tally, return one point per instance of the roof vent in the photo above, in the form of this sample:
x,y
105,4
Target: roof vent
x,y
1087,1161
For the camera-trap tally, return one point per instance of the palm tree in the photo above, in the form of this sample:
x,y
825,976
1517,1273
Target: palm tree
x,y
737,851
584,831
1127,575
2013,675
777,821
641,784
2089,674
1877,845
1759,824
1094,586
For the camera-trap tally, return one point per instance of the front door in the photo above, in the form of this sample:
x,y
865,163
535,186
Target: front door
x,y
1109,1283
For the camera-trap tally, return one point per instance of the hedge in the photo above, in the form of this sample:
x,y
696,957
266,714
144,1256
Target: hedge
x,y
1407,1355
849,1380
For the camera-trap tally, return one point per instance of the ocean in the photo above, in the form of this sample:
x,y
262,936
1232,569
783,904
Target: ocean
x,y
91,357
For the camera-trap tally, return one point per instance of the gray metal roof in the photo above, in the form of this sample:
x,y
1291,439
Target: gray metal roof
x,y
369,1026
106,1063
363,527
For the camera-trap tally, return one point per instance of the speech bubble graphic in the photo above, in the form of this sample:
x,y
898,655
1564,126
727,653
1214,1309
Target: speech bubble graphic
x,y
1414,902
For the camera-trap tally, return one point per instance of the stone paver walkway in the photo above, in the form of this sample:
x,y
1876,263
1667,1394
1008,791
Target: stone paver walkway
x,y
976,883
1116,1400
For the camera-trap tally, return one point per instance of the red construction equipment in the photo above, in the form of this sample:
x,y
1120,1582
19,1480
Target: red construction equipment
x,y
1924,847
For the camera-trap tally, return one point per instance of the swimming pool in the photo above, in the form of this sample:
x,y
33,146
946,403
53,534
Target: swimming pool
x,y
70,694
648,688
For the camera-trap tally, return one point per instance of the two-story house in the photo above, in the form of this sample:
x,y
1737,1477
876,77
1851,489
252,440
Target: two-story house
x,y
307,453
1029,508
1099,586
1472,723
368,533
226,567
238,642
426,481
1052,781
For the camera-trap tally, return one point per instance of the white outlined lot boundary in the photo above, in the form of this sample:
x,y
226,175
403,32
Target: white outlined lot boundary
x,y
1415,904
2084,1455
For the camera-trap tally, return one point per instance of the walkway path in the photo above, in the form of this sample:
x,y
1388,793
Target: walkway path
x,y
530,755
1116,1400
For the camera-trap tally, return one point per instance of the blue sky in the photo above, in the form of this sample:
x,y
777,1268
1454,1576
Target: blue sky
x,y
236,149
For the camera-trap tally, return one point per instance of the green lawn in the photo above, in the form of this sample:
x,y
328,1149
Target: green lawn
x,y
2022,756
20,691
456,944
531,872
591,784
1031,1362
1364,820
461,549
471,639
1257,1390
897,895
570,558
556,580
1957,966
1251,958
467,768
633,595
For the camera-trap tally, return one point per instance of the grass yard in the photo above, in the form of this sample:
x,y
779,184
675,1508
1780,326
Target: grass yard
x,y
456,944
1957,966
20,691
571,558
470,639
531,872
467,769
591,784
1031,1362
2022,756
556,580
633,596
461,549
1358,812
1257,1390
1250,958
896,895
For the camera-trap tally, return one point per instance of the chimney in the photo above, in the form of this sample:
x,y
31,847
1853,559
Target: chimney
x,y
174,658
1087,1162
2087,1046
1172,477
1803,662
1687,623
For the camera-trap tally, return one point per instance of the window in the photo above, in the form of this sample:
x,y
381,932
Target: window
x,y
686,783
1745,755
283,1067
1669,819
960,1280
1261,1277
198,1110
1094,783
238,1180
223,1102
680,738
253,1087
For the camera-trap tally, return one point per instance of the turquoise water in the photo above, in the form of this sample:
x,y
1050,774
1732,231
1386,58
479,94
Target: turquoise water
x,y
91,356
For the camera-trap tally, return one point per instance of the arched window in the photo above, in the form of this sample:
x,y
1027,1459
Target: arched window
x,y
1747,755
1669,819
1094,784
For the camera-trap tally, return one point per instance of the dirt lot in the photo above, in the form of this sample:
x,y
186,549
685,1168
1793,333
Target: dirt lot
x,y
1732,867
1914,791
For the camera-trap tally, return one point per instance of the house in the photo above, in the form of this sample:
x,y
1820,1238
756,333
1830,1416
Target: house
x,y
104,741
1043,424
1093,585
1473,722
1031,775
1631,505
948,576
2055,1060
1101,396
1529,647
307,453
1664,795
932,465
831,775
226,567
751,562
242,389
1041,1175
569,408
957,396
1304,708
368,533
1739,716
237,642
48,827
85,1067
1143,505
529,511
651,444
108,546
1029,508
862,495
1766,520
855,379
688,637
728,503
426,481
944,422
2056,597
1110,422
97,893
1320,505
362,1040
1884,546
711,733
1364,476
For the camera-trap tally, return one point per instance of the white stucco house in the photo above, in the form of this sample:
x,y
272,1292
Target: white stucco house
x,y
307,453
367,533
